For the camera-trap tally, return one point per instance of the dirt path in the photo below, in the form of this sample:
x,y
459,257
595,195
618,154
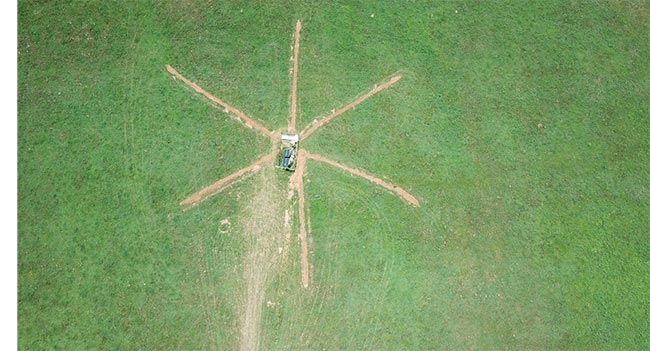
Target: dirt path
x,y
247,121
264,233
296,183
393,188
318,123
294,81
223,183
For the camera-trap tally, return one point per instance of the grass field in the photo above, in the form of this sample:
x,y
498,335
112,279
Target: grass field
x,y
522,128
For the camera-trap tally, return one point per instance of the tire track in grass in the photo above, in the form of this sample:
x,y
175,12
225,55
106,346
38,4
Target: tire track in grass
x,y
327,287
264,230
204,295
368,336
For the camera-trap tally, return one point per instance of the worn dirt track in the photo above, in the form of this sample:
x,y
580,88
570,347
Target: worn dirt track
x,y
318,123
247,121
222,183
393,188
263,231
294,80
296,183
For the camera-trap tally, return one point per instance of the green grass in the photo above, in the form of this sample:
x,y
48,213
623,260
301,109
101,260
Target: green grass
x,y
522,128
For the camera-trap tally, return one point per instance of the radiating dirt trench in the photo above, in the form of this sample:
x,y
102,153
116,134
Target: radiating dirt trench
x,y
265,230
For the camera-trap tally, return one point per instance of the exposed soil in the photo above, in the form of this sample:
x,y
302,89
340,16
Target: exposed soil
x,y
263,232
318,123
223,183
247,121
296,183
393,188
294,81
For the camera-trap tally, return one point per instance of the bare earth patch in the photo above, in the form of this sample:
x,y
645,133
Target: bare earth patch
x,y
263,229
296,183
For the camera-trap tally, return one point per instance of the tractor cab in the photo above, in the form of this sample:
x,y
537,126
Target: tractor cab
x,y
288,152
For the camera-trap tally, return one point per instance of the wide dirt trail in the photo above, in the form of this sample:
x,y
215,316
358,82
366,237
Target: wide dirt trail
x,y
223,183
296,183
319,123
390,187
263,229
240,116
294,78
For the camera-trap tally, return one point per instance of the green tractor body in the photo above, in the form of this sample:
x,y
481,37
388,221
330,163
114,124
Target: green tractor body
x,y
286,159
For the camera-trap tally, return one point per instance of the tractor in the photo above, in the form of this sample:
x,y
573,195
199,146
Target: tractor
x,y
288,152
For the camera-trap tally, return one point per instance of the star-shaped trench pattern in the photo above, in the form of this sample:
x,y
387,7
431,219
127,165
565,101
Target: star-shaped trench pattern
x,y
296,179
